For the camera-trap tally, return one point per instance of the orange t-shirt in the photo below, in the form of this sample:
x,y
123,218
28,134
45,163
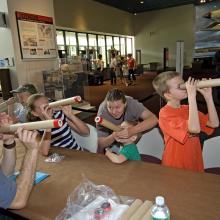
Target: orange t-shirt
x,y
181,150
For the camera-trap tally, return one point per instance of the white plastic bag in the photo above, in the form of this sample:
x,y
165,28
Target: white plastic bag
x,y
83,202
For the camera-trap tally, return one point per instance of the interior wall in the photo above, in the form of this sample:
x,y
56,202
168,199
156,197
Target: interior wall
x,y
88,15
162,28
29,71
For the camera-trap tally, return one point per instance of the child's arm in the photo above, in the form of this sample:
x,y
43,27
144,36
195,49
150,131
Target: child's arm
x,y
115,158
213,121
75,123
193,121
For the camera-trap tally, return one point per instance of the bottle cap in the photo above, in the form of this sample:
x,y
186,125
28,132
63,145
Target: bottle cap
x,y
160,200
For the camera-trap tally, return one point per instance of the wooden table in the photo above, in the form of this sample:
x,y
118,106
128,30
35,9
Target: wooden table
x,y
189,195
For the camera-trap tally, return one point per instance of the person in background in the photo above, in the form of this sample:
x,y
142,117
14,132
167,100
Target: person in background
x,y
38,110
117,108
14,195
131,67
181,124
129,149
113,66
100,68
18,111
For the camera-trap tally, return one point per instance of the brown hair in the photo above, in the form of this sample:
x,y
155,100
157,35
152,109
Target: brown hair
x,y
30,105
160,82
115,95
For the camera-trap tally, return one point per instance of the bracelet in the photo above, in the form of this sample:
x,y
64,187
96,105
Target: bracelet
x,y
9,146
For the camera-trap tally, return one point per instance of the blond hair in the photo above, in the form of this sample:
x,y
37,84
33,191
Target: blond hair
x,y
31,107
160,82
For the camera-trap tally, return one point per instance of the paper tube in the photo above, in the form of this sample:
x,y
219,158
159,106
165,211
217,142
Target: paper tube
x,y
130,211
69,101
138,215
205,84
147,216
107,124
56,123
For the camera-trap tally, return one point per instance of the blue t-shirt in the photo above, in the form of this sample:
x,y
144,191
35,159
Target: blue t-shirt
x,y
7,191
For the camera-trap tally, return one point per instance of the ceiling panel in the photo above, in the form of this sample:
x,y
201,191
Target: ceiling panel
x,y
135,6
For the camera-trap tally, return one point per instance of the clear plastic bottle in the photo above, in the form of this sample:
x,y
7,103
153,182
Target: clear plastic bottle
x,y
160,211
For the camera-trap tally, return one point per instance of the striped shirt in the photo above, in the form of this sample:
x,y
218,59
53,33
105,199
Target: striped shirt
x,y
62,137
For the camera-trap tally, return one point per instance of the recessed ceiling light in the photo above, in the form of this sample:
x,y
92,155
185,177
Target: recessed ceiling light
x,y
142,2
135,13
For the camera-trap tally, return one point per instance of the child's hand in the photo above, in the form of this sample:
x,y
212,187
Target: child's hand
x,y
191,87
206,92
67,110
46,111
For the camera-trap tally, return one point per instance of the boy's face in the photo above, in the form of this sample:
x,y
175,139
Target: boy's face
x,y
175,93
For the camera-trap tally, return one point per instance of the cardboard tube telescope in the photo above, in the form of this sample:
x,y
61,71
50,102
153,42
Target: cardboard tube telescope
x,y
69,101
55,123
107,124
204,84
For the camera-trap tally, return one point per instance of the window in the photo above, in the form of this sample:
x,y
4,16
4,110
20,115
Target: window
x,y
60,38
122,41
71,44
83,50
90,45
129,45
116,43
101,48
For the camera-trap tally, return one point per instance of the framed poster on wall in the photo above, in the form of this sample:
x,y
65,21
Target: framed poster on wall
x,y
36,35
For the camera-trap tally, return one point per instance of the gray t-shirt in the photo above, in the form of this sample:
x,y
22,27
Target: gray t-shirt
x,y
7,191
133,112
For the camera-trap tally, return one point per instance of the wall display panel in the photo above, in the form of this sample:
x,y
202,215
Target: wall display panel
x,y
36,35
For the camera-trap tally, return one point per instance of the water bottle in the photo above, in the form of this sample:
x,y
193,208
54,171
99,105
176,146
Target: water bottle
x,y
160,211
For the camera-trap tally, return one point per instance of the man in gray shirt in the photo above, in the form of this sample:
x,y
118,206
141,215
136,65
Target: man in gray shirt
x,y
14,195
117,108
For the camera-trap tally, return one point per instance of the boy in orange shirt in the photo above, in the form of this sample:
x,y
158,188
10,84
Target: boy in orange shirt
x,y
181,124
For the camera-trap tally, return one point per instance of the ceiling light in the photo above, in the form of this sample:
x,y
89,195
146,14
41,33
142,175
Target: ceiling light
x,y
142,2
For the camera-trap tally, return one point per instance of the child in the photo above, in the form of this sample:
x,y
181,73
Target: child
x,y
129,150
181,124
38,109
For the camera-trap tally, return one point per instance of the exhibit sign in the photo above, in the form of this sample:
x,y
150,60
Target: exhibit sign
x,y
36,35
